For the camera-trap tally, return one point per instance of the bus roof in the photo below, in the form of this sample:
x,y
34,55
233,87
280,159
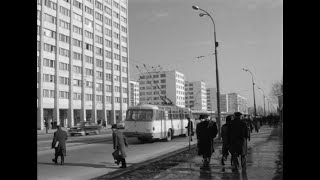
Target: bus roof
x,y
144,106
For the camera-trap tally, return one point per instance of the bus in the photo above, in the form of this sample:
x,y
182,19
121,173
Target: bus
x,y
149,122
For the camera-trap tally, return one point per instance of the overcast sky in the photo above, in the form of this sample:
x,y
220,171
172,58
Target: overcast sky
x,y
170,34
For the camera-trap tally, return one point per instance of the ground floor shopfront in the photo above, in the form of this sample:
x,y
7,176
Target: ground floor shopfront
x,y
68,118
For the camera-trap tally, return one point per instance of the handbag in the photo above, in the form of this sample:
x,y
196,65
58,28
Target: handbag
x,y
116,154
57,144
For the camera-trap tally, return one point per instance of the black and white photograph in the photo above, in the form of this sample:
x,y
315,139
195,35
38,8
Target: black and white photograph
x,y
159,89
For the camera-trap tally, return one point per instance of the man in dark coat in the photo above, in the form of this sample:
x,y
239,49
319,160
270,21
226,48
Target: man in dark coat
x,y
46,124
206,130
190,128
225,139
59,144
238,140
119,141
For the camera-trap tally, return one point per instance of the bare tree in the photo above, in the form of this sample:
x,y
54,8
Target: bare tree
x,y
276,90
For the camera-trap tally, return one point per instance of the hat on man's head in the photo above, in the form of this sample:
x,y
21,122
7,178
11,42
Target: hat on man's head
x,y
114,126
203,116
237,114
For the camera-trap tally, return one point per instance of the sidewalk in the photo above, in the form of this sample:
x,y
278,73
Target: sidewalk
x,y
263,161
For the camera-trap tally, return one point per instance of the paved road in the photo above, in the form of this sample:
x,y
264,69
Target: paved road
x,y
95,159
264,161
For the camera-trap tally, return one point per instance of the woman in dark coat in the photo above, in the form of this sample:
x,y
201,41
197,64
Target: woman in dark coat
x,y
119,142
190,128
59,137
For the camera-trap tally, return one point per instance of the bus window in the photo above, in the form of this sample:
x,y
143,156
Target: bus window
x,y
139,115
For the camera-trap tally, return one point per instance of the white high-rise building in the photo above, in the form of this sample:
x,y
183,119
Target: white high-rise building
x,y
134,93
156,86
237,103
196,95
82,59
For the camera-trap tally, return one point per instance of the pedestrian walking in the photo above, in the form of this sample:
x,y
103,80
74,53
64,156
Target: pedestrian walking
x,y
225,139
206,130
59,144
238,141
190,128
119,141
46,124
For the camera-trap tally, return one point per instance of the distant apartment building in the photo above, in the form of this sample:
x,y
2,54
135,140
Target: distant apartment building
x,y
82,61
224,103
212,100
237,103
156,86
196,95
134,93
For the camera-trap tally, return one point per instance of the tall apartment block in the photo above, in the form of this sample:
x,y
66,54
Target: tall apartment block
x,y
212,100
224,103
237,103
134,93
82,57
196,95
161,84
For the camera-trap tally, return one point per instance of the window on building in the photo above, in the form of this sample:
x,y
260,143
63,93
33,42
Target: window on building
x,y
88,34
49,48
77,17
77,82
89,59
48,78
64,38
108,65
99,86
77,30
88,23
64,52
77,56
64,80
108,88
48,63
49,33
64,24
108,32
50,4
64,95
50,19
89,72
77,43
108,77
77,4
99,28
99,39
88,10
99,74
108,54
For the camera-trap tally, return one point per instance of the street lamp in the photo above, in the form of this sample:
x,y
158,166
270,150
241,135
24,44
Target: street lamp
x,y
264,105
254,98
217,72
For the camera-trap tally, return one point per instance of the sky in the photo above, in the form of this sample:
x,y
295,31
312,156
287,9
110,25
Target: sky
x,y
170,35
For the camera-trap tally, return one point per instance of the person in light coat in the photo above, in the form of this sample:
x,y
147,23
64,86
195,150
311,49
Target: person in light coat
x,y
119,142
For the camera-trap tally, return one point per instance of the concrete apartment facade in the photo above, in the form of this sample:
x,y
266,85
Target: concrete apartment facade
x,y
212,100
196,95
134,93
82,64
237,103
156,85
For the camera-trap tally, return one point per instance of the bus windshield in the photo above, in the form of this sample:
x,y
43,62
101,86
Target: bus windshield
x,y
139,115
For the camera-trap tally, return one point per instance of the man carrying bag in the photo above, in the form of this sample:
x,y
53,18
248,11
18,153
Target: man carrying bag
x,y
119,141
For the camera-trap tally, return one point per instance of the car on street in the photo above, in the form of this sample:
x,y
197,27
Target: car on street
x,y
84,128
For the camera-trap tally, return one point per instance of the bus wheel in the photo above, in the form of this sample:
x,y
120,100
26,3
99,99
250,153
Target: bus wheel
x,y
169,135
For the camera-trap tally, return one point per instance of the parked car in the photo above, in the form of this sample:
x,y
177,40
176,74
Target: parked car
x,y
84,128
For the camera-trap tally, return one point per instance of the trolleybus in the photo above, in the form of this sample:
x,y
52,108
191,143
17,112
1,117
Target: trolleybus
x,y
147,121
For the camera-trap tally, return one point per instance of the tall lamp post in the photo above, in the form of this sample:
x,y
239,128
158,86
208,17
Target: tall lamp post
x,y
264,105
254,98
217,72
